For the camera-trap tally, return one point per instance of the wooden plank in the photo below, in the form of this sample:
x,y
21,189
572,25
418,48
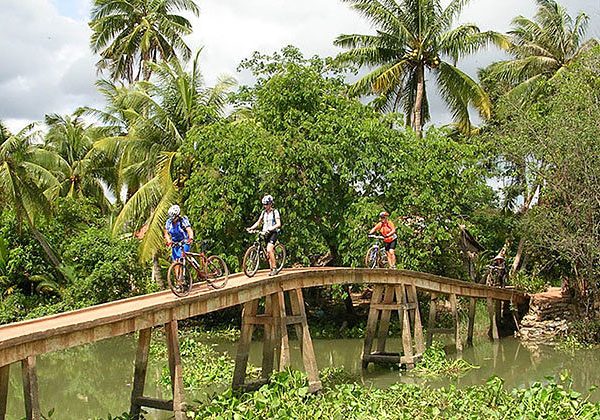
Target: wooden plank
x,y
418,332
493,322
386,311
269,339
139,374
407,345
471,326
4,376
432,316
456,319
241,358
166,405
371,323
30,389
284,352
176,370
308,352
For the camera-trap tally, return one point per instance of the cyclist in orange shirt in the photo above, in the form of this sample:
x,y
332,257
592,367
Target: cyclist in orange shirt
x,y
390,239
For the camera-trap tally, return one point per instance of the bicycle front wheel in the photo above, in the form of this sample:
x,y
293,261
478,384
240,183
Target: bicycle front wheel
x,y
217,272
371,257
280,255
251,261
179,279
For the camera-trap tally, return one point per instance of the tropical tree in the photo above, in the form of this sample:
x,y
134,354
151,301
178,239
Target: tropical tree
x,y
157,118
415,37
541,48
26,180
128,34
82,170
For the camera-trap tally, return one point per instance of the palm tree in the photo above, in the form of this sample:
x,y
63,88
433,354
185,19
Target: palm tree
x,y
414,37
130,33
542,47
26,180
158,117
82,170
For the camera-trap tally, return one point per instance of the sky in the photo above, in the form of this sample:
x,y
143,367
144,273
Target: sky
x,y
47,66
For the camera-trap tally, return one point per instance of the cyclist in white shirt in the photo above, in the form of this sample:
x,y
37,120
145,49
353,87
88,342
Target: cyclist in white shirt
x,y
271,222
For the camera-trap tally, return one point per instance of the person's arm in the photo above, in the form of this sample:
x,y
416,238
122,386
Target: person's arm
x,y
190,233
255,225
277,221
375,228
167,237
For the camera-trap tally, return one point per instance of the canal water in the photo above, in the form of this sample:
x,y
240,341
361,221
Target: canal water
x,y
94,380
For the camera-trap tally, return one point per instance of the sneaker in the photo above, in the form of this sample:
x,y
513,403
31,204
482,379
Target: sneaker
x,y
272,272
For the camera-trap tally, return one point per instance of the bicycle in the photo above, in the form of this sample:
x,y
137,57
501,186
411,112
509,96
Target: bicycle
x,y
211,269
376,255
252,256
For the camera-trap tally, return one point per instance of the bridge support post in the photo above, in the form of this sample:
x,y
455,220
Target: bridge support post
x,y
455,330
471,325
275,321
138,401
30,389
493,310
385,299
4,375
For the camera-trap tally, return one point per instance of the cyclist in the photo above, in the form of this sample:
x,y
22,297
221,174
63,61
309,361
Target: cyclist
x,y
178,229
390,239
271,224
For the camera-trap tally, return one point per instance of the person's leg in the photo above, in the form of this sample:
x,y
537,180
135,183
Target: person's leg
x,y
271,254
392,257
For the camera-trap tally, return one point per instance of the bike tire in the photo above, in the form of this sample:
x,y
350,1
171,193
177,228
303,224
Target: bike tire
x,y
251,261
383,259
280,254
179,286
371,258
217,272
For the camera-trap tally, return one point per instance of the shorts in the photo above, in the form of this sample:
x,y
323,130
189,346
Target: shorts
x,y
390,246
176,251
271,237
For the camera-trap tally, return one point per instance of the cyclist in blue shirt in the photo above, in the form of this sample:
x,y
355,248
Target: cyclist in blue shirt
x,y
178,230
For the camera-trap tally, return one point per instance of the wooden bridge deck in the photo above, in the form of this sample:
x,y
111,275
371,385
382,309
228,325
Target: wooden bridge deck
x,y
38,336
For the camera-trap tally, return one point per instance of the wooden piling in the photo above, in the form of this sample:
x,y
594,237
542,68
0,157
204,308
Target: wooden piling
x,y
4,376
471,325
175,370
139,376
30,388
493,320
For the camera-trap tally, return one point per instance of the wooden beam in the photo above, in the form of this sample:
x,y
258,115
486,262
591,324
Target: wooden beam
x,y
139,375
456,320
371,324
156,403
176,370
493,321
308,352
30,389
471,326
386,309
407,345
284,355
269,337
241,358
418,332
432,317
4,376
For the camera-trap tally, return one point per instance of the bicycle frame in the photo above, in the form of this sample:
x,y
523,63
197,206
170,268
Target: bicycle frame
x,y
199,267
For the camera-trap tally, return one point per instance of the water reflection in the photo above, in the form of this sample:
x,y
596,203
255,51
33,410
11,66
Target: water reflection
x,y
95,380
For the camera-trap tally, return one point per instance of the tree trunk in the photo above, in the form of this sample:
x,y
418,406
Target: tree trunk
x,y
521,246
45,246
417,123
156,274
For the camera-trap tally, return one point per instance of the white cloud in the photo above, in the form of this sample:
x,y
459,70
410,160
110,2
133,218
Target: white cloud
x,y
47,66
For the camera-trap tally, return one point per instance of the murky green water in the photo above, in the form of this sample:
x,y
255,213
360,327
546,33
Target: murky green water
x,y
95,380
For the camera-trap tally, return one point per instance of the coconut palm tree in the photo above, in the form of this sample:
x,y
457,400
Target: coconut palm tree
x,y
542,47
82,170
414,38
130,33
158,117
26,180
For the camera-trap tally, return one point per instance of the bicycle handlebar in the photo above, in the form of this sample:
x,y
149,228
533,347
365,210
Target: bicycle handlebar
x,y
375,236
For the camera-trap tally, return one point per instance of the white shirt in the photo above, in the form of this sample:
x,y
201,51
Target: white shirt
x,y
270,219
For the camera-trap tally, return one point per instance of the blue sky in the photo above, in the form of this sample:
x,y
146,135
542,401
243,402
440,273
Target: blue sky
x,y
48,67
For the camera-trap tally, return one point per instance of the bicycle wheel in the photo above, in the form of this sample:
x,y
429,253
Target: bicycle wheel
x,y
371,259
251,261
217,272
383,259
280,255
179,279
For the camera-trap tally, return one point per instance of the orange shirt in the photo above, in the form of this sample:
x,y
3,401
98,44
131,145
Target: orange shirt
x,y
385,228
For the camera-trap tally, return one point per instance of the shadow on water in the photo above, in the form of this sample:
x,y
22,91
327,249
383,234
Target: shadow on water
x,y
95,380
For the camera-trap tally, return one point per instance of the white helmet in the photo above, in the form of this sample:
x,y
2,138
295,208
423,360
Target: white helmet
x,y
174,210
267,199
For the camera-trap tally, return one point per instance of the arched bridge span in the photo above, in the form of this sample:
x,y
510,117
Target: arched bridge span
x,y
394,290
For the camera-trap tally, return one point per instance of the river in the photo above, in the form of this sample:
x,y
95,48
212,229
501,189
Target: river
x,y
94,380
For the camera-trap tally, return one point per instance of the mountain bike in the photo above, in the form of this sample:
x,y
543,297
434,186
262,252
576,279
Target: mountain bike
x,y
211,269
376,256
253,254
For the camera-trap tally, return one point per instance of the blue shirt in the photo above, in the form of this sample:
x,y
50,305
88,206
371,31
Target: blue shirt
x,y
178,230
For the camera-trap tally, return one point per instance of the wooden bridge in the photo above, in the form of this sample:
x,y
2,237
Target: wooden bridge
x,y
393,290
